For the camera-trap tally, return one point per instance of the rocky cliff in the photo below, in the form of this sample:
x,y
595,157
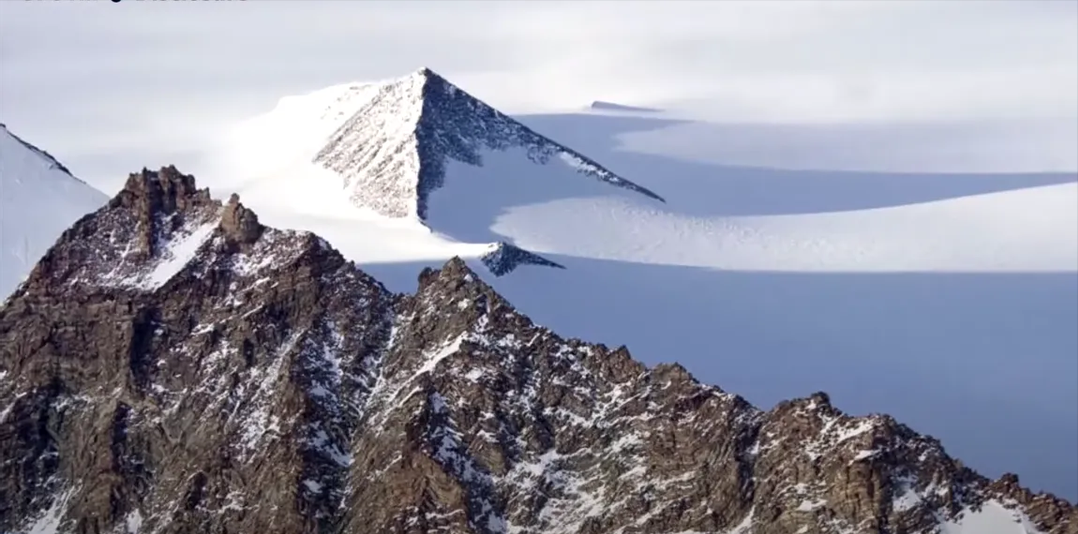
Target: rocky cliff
x,y
173,366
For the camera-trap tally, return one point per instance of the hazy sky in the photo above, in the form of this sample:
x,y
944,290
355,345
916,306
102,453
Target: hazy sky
x,y
91,78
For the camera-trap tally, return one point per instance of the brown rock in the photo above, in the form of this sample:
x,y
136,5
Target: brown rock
x,y
263,384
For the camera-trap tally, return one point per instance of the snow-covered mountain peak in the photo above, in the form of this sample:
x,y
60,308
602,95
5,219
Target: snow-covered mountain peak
x,y
426,72
49,160
391,143
414,155
393,151
39,198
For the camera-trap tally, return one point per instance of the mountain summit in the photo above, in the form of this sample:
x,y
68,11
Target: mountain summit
x,y
415,158
173,365
39,198
394,149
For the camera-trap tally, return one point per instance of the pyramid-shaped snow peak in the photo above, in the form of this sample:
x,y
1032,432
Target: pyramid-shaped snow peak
x,y
39,199
396,140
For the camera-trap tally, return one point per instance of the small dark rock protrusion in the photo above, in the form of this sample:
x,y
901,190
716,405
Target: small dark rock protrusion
x,y
672,373
504,258
821,399
456,267
427,276
1009,480
454,274
239,223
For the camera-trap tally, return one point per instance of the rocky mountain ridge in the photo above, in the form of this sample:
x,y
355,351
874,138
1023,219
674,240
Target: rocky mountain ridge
x,y
172,365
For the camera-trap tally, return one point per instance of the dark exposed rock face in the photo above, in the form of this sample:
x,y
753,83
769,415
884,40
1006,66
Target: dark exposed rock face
x,y
503,258
172,366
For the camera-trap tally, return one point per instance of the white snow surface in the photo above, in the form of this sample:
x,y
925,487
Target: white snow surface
x,y
772,283
38,201
548,208
982,146
1028,230
180,252
176,250
52,518
991,518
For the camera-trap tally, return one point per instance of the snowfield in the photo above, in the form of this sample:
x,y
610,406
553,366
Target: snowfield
x,y
948,300
1028,230
992,518
39,199
970,146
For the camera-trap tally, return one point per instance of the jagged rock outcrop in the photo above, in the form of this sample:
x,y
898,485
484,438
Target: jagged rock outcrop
x,y
173,366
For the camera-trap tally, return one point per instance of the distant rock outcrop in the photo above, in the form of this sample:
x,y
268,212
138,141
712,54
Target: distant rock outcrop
x,y
504,258
599,105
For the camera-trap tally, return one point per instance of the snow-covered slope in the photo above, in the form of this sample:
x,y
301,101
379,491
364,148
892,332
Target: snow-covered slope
x,y
1028,230
420,150
39,199
417,150
772,283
